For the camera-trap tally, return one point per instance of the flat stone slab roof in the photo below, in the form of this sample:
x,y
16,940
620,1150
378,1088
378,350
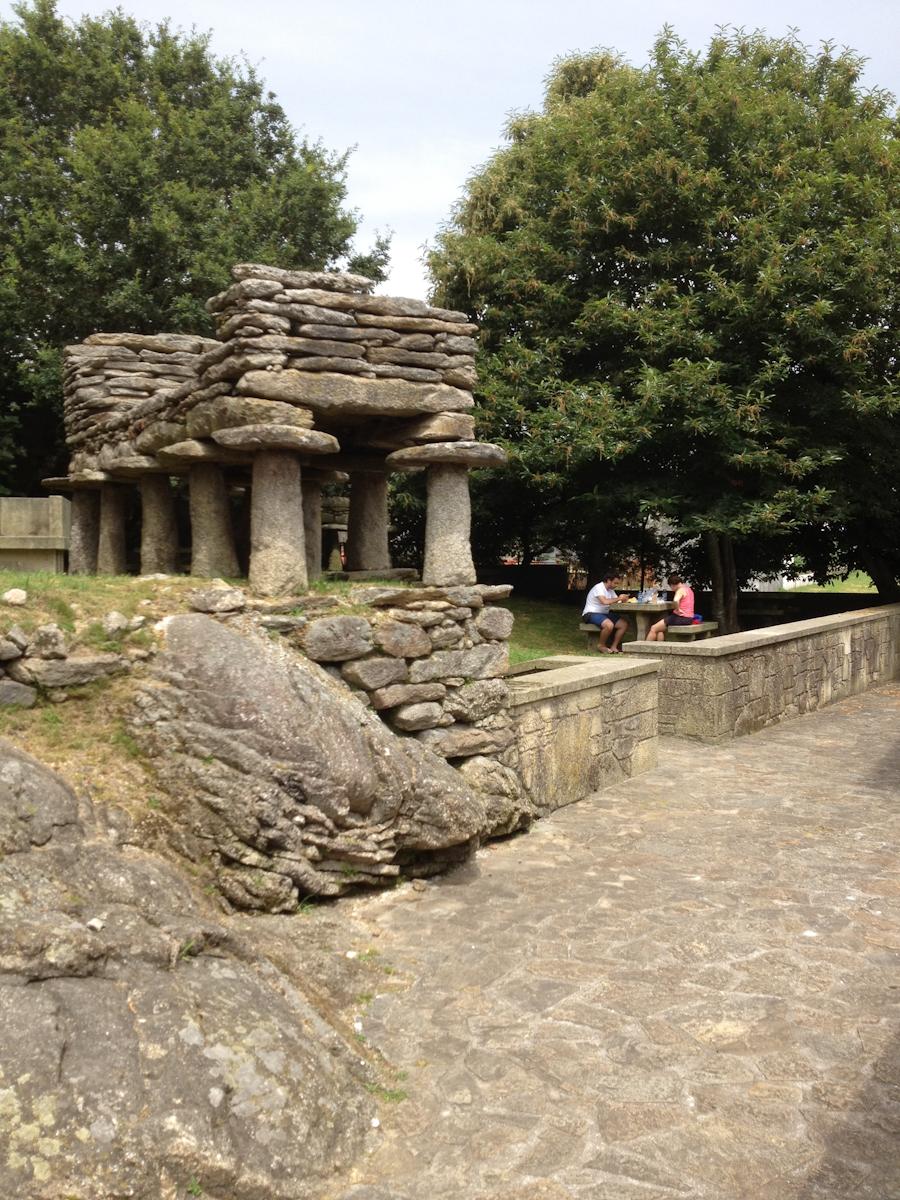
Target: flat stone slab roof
x,y
686,986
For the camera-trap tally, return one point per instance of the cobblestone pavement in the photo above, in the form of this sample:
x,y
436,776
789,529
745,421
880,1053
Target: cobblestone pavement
x,y
686,987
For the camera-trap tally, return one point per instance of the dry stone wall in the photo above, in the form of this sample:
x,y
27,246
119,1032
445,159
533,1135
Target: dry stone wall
x,y
42,662
431,662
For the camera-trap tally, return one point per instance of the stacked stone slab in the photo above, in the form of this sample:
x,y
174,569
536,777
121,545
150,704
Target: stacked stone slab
x,y
114,383
315,350
114,386
314,380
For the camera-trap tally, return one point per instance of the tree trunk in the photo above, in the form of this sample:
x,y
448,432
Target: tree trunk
x,y
720,552
714,556
881,574
730,588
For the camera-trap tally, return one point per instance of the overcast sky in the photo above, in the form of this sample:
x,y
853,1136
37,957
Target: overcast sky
x,y
422,90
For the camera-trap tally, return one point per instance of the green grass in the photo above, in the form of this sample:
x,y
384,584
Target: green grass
x,y
856,581
71,599
544,627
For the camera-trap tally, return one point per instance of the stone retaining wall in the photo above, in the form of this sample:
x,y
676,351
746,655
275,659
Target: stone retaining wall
x,y
727,686
580,724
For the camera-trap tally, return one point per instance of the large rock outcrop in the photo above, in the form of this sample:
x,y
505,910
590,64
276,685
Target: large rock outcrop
x,y
144,1052
292,785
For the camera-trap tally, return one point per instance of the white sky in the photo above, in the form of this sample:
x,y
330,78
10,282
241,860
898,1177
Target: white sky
x,y
423,89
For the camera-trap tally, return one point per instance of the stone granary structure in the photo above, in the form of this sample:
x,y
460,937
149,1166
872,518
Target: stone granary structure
x,y
313,380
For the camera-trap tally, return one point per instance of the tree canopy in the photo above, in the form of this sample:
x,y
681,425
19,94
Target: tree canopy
x,y
686,276
135,168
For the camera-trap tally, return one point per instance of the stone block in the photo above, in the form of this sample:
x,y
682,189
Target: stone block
x,y
331,392
446,635
374,673
474,701
336,639
216,599
495,624
462,741
48,642
402,639
410,717
406,693
69,672
276,437
481,662
160,433
20,694
227,412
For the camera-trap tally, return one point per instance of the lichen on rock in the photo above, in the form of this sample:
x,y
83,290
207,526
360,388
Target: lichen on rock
x,y
144,1048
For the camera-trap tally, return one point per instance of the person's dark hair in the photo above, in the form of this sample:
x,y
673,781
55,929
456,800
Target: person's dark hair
x,y
610,574
674,577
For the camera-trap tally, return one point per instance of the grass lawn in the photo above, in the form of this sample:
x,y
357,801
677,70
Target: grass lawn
x,y
856,581
544,627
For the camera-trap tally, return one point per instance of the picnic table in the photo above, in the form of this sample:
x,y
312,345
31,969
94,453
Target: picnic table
x,y
645,614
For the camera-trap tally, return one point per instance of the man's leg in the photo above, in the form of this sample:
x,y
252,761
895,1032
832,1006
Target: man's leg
x,y
621,626
605,630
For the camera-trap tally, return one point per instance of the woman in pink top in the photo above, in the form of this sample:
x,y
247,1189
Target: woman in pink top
x,y
682,614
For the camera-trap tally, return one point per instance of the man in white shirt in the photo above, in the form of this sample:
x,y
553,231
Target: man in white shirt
x,y
596,612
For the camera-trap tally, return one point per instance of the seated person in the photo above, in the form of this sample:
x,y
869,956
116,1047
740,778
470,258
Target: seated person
x,y
682,614
596,612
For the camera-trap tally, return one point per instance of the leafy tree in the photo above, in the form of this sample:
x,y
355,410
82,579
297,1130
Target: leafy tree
x,y
135,168
686,276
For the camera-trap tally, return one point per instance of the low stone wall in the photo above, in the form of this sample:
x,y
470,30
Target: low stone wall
x,y
727,686
42,663
581,724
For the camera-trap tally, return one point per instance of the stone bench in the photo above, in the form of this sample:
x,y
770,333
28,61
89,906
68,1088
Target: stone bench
x,y
692,633
592,632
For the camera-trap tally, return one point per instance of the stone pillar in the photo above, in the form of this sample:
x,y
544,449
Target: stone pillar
x,y
111,557
277,543
312,526
448,524
159,529
367,525
85,532
212,539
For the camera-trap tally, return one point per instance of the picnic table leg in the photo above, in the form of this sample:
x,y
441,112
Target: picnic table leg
x,y
642,625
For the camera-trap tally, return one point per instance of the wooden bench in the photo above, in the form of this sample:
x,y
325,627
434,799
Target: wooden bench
x,y
693,633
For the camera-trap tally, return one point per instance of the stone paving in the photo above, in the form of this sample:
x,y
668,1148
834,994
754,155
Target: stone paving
x,y
685,987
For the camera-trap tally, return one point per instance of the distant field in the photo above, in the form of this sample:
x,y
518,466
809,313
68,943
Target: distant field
x,y
855,582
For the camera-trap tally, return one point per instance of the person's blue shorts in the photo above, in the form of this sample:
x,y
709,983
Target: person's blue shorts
x,y
599,618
